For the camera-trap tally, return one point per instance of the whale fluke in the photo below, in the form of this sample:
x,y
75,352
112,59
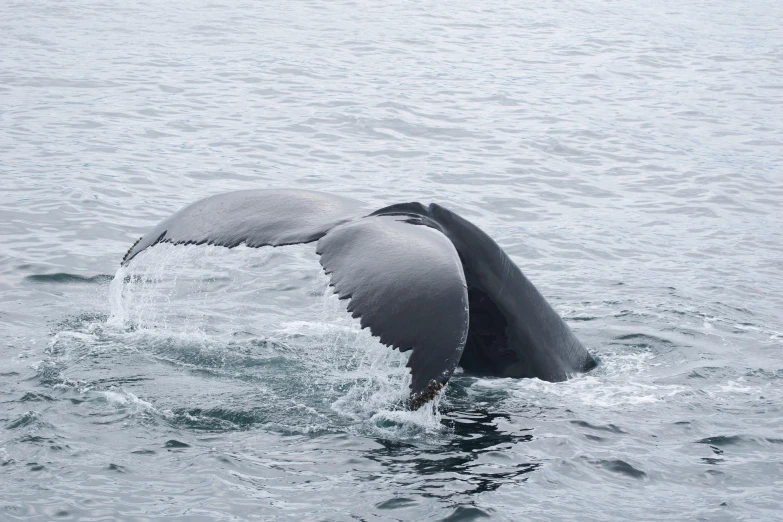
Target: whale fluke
x,y
422,278
405,282
254,217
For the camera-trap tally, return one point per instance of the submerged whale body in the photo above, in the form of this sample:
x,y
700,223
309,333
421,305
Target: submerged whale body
x,y
422,278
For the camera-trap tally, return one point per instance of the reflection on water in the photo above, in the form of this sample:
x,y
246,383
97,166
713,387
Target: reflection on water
x,y
471,436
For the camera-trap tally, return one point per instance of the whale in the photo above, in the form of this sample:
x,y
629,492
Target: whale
x,y
421,277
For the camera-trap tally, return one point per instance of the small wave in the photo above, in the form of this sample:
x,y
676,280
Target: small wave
x,y
621,467
611,428
26,419
216,419
63,278
728,441
173,443
36,397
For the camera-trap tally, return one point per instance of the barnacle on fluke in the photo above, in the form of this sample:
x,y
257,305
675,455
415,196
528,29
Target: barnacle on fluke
x,y
422,278
433,389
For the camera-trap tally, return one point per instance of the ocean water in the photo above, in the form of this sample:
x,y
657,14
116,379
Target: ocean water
x,y
627,155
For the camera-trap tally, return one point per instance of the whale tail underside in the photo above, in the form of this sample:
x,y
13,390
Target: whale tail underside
x,y
404,282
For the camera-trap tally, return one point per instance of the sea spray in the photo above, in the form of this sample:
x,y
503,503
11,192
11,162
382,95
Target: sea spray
x,y
265,318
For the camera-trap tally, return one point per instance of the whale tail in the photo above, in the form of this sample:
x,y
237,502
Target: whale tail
x,y
404,282
420,278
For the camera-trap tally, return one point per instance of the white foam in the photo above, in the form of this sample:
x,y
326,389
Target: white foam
x,y
121,398
736,387
427,419
588,390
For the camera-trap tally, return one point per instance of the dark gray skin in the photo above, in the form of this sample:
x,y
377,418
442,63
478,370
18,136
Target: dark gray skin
x,y
421,278
514,331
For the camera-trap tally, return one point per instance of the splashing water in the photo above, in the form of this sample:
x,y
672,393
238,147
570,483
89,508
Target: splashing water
x,y
268,319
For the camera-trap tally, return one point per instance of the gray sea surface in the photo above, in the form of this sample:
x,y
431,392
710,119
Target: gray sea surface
x,y
627,155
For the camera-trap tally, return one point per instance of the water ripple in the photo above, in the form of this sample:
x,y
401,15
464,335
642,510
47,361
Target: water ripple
x,y
626,155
